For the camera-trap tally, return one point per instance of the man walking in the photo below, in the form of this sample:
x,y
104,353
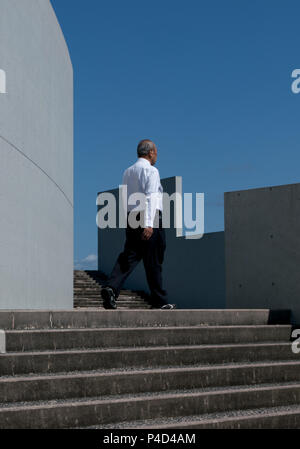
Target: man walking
x,y
146,242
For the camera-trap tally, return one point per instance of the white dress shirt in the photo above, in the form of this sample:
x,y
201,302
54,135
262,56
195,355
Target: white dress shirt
x,y
142,177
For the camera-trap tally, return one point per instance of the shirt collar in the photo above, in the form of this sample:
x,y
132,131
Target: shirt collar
x,y
144,161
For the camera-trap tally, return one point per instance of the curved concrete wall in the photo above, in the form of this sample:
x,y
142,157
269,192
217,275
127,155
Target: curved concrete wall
x,y
36,159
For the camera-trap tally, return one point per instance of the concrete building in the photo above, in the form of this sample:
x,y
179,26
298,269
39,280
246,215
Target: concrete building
x,y
262,247
36,159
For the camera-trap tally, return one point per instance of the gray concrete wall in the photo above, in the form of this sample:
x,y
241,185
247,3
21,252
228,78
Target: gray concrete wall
x,y
36,159
193,270
262,246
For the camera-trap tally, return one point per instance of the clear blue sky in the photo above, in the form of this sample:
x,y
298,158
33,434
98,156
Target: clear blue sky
x,y
208,81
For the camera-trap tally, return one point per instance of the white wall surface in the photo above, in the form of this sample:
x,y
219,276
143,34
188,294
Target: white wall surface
x,y
36,159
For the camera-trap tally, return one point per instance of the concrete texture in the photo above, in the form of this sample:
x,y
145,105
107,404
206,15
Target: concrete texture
x,y
95,318
87,384
37,340
262,418
2,342
199,285
262,246
36,159
65,414
90,368
46,362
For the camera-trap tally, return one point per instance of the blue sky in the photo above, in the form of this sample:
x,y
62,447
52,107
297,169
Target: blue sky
x,y
208,81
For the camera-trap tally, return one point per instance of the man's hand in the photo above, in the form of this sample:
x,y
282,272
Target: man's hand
x,y
147,232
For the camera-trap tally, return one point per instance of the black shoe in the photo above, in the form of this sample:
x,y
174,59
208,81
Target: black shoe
x,y
168,307
109,298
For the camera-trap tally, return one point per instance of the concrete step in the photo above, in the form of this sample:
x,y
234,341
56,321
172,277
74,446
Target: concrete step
x,y
99,301
86,277
40,340
285,417
87,307
85,283
87,286
121,299
97,295
114,409
93,284
121,303
96,291
94,367
148,358
32,319
127,305
87,293
120,306
89,384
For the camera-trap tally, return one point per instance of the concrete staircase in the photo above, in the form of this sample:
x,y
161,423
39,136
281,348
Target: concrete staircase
x,y
87,288
147,369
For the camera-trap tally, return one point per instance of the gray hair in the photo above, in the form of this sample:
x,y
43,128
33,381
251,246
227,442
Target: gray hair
x,y
144,147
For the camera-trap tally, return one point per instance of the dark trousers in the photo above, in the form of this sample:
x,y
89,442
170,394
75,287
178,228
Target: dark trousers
x,y
151,252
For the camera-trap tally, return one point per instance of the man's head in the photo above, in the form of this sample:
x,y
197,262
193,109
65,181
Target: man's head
x,y
147,149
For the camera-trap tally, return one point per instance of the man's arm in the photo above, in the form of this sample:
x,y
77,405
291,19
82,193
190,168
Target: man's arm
x,y
151,186
124,196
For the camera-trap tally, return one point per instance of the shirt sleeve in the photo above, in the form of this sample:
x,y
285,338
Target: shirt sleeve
x,y
151,189
124,196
